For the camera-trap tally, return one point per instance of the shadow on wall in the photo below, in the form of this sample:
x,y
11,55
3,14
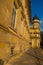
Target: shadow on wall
x,y
1,62
41,43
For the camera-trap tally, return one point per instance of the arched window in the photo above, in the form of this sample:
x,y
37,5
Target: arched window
x,y
13,17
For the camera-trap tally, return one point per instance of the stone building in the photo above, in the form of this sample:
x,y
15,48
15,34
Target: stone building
x,y
14,27
35,32
15,30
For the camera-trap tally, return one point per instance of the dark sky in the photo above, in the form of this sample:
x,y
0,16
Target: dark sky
x,y
37,8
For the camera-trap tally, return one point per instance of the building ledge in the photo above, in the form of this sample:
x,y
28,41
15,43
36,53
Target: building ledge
x,y
13,32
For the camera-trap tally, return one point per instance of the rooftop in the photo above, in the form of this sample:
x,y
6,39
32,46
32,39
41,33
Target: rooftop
x,y
35,17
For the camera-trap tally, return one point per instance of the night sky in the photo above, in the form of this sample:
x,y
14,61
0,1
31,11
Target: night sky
x,y
37,8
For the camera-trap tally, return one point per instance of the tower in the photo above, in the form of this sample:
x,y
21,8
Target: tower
x,y
36,23
36,27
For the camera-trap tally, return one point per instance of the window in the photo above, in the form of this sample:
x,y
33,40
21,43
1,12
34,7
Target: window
x,y
13,17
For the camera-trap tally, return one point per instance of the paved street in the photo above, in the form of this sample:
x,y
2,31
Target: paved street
x,y
30,57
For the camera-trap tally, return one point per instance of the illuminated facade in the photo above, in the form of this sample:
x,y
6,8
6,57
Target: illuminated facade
x,y
15,30
35,32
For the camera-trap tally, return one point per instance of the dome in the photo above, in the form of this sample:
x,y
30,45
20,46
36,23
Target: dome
x,y
35,17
